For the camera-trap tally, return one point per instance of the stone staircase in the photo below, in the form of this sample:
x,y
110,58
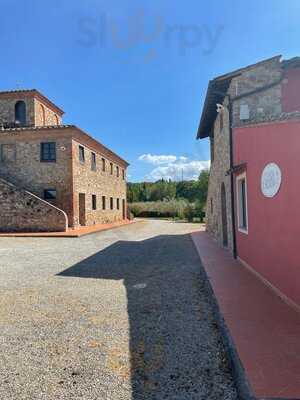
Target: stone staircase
x,y
22,211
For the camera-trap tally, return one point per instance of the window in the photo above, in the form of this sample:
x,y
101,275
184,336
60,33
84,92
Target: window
x,y
211,206
94,202
118,172
242,203
49,194
111,168
118,204
48,152
123,174
81,154
111,203
56,120
93,162
244,112
103,203
20,112
103,164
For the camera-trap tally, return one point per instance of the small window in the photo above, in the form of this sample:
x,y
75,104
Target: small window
x,y
48,152
93,162
242,203
118,172
20,113
111,203
211,206
118,204
94,202
123,174
103,202
244,112
49,194
103,164
81,154
111,168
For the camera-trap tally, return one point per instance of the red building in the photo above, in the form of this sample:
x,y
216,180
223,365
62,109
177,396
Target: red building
x,y
252,117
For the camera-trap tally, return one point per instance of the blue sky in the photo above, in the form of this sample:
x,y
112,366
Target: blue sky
x,y
134,74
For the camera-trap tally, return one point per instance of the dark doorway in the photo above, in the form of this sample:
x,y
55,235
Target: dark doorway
x,y
124,209
224,216
82,221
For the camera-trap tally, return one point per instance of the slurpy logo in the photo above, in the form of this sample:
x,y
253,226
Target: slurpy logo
x,y
150,33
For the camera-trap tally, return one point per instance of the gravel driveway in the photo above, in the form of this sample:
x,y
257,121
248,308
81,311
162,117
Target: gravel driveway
x,y
122,314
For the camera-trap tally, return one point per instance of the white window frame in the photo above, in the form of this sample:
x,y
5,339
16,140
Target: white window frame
x,y
239,178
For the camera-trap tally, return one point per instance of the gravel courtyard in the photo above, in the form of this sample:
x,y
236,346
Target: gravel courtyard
x,y
122,314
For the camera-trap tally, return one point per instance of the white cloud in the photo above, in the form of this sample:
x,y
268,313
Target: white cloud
x,y
157,159
182,158
188,170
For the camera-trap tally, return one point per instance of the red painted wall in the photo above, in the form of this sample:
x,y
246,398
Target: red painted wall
x,y
272,246
291,91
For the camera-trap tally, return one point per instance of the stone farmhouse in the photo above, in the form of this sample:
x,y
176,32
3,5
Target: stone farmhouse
x,y
252,119
54,176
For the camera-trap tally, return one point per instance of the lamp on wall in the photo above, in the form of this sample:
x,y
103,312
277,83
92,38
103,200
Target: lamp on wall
x,y
220,108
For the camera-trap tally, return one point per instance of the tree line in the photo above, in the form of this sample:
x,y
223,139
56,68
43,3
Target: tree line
x,y
185,199
165,190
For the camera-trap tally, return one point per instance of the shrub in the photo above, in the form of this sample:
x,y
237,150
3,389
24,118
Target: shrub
x,y
189,212
159,209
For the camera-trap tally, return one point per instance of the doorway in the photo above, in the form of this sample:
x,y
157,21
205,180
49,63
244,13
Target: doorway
x,y
124,209
224,216
82,217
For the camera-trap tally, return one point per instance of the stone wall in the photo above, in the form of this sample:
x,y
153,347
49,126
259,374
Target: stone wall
x,y
22,211
262,104
7,110
25,169
99,183
44,116
218,176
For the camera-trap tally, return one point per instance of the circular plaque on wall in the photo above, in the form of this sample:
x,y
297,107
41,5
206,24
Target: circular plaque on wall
x,y
271,180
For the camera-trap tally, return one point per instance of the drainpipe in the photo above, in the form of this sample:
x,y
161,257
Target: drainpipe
x,y
234,247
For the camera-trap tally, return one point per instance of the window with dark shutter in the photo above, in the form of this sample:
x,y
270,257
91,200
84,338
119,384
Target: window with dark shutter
x,y
118,172
103,202
93,162
48,152
94,202
103,164
81,154
50,194
111,203
118,204
111,168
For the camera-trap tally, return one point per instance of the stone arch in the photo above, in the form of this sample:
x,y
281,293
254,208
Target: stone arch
x,y
43,114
